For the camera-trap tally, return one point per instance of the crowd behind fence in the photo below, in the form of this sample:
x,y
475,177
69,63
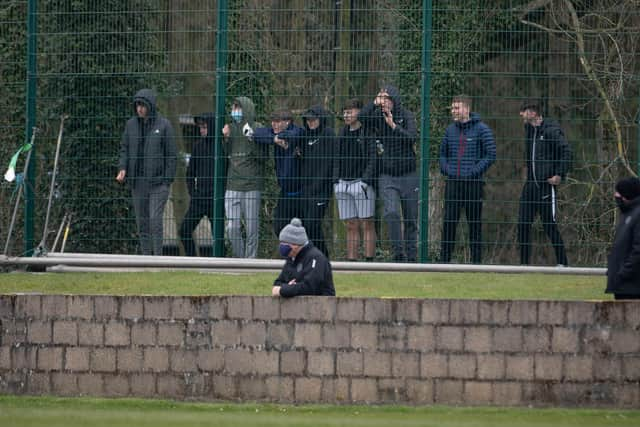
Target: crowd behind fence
x,y
381,124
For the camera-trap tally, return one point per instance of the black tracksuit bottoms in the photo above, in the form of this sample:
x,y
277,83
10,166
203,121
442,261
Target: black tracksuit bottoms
x,y
539,198
315,208
198,208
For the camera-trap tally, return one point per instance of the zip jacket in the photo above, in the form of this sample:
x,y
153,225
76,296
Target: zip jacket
x,y
312,272
287,160
547,150
467,150
148,147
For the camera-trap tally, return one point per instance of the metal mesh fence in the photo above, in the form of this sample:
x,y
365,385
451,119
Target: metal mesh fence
x,y
352,119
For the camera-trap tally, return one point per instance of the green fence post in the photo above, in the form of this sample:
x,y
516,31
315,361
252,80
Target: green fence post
x,y
425,128
221,90
29,178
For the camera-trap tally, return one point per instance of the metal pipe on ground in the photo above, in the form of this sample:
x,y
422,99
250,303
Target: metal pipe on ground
x,y
105,261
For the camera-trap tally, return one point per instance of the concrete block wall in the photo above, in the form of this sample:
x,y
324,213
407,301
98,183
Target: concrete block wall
x,y
330,350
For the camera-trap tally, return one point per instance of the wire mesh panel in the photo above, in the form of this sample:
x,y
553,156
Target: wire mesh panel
x,y
498,141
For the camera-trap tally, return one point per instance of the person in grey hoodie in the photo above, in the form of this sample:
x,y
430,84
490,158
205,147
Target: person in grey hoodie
x,y
147,164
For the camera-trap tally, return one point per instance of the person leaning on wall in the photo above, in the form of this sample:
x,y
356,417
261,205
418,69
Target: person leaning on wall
x,y
623,266
307,270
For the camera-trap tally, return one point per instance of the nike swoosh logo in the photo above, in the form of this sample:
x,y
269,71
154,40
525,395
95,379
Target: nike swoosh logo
x,y
157,131
320,204
313,141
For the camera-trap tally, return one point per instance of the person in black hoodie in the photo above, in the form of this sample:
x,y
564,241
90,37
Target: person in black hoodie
x,y
307,271
147,164
548,158
354,170
394,130
317,151
200,181
623,266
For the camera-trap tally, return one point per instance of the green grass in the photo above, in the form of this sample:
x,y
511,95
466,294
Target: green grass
x,y
72,412
393,285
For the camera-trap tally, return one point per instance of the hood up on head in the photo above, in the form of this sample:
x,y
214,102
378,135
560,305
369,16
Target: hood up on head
x,y
210,120
248,109
148,98
394,94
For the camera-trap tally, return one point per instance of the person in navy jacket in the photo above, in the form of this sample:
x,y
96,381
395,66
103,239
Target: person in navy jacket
x,y
468,149
284,135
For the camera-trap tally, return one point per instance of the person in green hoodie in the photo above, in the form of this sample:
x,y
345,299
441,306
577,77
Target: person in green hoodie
x,y
244,178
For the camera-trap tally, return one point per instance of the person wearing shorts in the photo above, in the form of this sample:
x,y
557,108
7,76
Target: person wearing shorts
x,y
354,169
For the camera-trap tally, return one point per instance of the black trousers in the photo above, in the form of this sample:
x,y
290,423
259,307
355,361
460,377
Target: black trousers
x,y
315,208
539,199
288,207
459,195
626,296
198,207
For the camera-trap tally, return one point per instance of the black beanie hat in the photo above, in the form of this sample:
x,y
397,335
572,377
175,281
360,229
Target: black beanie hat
x,y
629,188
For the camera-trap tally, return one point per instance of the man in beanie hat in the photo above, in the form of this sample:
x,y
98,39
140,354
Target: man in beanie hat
x,y
623,267
307,271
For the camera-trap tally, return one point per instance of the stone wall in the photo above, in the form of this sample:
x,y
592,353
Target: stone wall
x,y
333,350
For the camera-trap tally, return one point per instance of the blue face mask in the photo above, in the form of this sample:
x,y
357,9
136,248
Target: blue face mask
x,y
236,115
285,250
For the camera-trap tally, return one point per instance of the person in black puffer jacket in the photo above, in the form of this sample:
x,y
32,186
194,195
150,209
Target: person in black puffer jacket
x,y
623,267
467,150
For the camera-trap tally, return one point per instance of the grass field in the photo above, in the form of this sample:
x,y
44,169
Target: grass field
x,y
397,285
66,412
